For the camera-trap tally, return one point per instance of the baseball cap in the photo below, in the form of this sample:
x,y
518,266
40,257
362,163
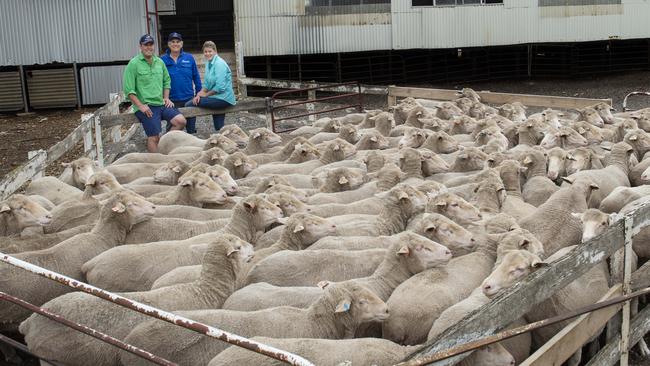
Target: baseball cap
x,y
146,39
174,35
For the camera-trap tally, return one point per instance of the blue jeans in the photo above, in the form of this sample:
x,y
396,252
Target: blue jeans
x,y
217,119
190,127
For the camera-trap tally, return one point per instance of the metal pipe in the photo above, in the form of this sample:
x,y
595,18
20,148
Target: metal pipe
x,y
23,85
283,92
89,331
470,346
207,330
318,112
316,100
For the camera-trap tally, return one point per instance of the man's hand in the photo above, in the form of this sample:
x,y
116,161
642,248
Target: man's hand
x,y
146,110
168,103
196,100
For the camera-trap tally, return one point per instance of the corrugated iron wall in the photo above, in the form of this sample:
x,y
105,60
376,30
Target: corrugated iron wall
x,y
98,82
11,91
288,27
42,32
51,88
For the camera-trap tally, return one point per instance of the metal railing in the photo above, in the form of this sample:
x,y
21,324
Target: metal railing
x,y
311,99
204,329
631,94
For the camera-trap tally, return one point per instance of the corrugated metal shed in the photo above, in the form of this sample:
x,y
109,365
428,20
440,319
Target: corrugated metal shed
x,y
98,82
41,32
51,88
11,91
285,27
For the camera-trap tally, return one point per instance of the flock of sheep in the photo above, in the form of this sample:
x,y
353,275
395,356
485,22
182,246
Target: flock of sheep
x,y
357,238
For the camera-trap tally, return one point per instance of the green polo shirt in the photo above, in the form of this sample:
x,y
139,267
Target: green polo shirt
x,y
145,80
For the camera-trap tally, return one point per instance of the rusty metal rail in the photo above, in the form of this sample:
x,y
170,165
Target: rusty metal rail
x,y
87,330
205,329
631,94
311,92
471,346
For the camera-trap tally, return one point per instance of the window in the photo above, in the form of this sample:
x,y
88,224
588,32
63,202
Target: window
x,y
323,7
454,2
576,2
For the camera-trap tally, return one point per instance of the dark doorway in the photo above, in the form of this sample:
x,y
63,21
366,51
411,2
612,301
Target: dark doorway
x,y
199,21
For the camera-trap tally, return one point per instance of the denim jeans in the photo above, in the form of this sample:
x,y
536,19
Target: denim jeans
x,y
217,119
190,127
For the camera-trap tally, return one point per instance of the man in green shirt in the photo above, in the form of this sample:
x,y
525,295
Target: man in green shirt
x,y
147,84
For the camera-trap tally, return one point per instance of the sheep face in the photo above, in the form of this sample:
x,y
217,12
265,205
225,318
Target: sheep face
x,y
413,137
462,124
491,355
82,169
434,124
520,239
454,207
432,163
491,194
417,198
448,110
441,143
533,129
222,142
592,116
265,138
221,176
235,249
170,172
465,104
357,302
552,117
310,228
557,158
469,159
133,207
455,237
469,93
240,165
21,212
349,133
639,140
287,203
212,156
605,112
373,141
594,222
494,159
269,182
299,194
577,160
592,134
565,137
203,189
302,153
420,253
515,266
500,223
102,182
263,212
333,125
236,134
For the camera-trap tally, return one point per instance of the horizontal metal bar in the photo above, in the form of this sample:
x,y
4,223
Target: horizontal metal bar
x,y
470,346
160,314
21,347
316,100
289,84
324,86
87,330
318,112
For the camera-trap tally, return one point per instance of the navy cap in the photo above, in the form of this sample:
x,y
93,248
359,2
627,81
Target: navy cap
x,y
174,35
146,39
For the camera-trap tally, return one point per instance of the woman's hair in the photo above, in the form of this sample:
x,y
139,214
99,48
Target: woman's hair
x,y
209,44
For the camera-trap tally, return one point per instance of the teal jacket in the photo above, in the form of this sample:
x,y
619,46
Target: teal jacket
x,y
218,78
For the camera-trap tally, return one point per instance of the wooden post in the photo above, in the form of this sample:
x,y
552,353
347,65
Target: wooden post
x,y
86,121
239,61
269,106
625,325
30,156
99,145
311,95
114,108
392,100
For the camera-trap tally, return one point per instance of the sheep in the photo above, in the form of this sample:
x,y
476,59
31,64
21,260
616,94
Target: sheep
x,y
175,142
454,207
490,195
621,196
374,161
283,154
615,174
448,110
126,173
372,140
349,133
514,111
215,140
564,137
239,165
118,215
591,133
510,171
400,111
78,171
557,161
261,295
333,152
468,159
330,125
337,314
582,159
221,267
553,223
217,173
147,262
281,188
52,189
383,123
19,212
594,222
591,116
413,138
300,231
191,213
194,190
167,174
440,142
213,155
40,241
363,351
585,290
538,187
416,165
261,140
340,180
605,112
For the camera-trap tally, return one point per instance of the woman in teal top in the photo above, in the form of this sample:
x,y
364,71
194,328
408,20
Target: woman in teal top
x,y
217,90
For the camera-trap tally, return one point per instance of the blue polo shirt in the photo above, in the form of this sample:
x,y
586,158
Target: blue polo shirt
x,y
183,72
218,78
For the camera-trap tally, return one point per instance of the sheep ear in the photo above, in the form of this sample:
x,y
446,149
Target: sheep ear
x,y
91,181
250,206
230,251
612,218
403,196
633,138
176,169
577,215
283,220
343,180
594,186
404,251
298,228
119,207
524,243
323,284
5,208
581,130
215,156
185,183
343,306
373,139
256,135
238,162
441,203
527,160
537,263
568,179
66,165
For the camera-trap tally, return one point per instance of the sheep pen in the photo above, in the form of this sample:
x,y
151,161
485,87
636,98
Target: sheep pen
x,y
490,191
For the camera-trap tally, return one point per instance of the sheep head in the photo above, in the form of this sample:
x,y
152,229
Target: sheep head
x,y
443,230
514,267
202,189
20,212
594,222
236,134
169,173
419,253
222,142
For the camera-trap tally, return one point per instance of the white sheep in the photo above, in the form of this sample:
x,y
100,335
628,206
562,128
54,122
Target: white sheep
x,y
19,212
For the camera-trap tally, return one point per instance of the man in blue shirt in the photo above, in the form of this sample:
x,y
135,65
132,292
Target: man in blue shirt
x,y
186,81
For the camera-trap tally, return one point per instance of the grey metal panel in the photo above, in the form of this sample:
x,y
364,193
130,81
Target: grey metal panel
x,y
41,32
51,88
11,92
98,82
